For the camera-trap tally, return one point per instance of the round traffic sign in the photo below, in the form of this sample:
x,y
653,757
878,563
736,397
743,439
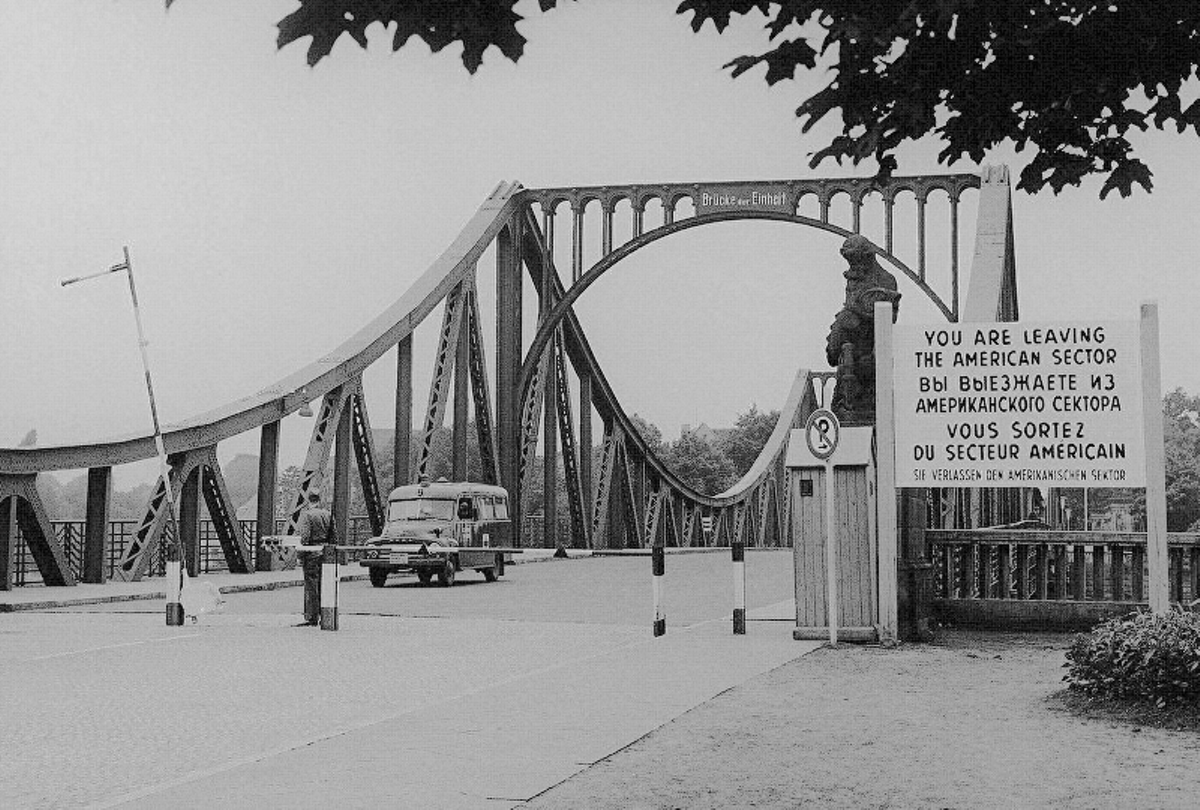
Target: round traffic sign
x,y
821,431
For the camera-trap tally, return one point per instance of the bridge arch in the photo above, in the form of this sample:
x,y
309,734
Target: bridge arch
x,y
551,321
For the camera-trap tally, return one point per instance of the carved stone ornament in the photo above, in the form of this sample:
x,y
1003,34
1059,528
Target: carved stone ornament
x,y
851,342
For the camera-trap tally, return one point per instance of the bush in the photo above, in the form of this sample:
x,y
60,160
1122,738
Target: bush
x,y
1142,656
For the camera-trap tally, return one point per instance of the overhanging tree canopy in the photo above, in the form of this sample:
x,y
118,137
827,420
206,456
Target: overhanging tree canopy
x,y
1067,79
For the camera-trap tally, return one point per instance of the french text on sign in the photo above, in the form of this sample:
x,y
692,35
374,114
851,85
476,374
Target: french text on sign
x,y
1018,404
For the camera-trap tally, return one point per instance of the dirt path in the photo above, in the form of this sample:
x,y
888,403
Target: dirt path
x,y
968,721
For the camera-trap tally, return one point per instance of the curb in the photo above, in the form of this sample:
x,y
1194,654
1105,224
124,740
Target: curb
x,y
52,604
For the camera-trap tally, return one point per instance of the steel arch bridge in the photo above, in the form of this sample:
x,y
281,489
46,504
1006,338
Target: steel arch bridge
x,y
630,499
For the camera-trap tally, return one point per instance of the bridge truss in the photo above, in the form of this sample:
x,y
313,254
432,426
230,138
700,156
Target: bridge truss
x,y
627,498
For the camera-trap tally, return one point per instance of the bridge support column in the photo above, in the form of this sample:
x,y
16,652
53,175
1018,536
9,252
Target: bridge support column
x,y
508,367
8,542
341,477
404,391
462,390
268,475
189,522
21,511
95,531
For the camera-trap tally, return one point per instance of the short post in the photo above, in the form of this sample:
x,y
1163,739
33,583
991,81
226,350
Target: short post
x,y
174,586
739,588
658,559
329,587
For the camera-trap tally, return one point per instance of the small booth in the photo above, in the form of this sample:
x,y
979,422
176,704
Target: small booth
x,y
855,569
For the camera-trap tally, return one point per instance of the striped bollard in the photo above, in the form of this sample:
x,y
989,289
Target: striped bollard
x,y
739,588
329,587
658,559
174,586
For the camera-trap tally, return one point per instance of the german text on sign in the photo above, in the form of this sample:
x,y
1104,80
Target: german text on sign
x,y
1019,404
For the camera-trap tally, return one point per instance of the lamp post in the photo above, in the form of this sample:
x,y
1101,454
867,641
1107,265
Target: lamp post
x,y
174,552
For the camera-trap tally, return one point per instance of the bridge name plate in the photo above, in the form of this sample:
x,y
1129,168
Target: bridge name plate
x,y
744,197
1019,405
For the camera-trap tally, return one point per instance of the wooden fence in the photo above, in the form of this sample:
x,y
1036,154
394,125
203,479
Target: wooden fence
x,y
1053,579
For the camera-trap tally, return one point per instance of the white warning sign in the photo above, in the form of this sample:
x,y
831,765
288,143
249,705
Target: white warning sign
x,y
1019,404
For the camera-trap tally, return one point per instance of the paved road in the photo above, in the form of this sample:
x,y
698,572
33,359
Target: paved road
x,y
480,695
606,590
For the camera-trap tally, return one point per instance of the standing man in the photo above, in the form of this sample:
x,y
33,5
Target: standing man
x,y
315,528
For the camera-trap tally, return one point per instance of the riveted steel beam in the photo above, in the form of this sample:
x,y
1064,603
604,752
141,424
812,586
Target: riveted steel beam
x,y
477,359
691,521
144,543
439,384
95,532
570,453
268,479
313,472
225,522
462,382
402,441
509,291
601,512
629,506
739,523
21,510
364,455
531,412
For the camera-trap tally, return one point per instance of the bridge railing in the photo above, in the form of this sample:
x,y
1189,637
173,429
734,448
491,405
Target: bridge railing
x,y
1076,577
70,534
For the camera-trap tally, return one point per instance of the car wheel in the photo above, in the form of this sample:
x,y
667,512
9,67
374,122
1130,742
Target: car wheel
x,y
489,574
378,576
446,575
425,576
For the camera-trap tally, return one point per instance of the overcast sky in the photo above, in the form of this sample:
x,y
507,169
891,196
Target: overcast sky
x,y
273,209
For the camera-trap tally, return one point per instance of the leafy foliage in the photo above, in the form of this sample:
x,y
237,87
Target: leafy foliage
x,y
748,437
1181,443
1142,657
1059,76
700,465
477,24
649,432
1068,79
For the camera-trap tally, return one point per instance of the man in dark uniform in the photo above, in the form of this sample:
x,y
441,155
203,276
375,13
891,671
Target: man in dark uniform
x,y
315,528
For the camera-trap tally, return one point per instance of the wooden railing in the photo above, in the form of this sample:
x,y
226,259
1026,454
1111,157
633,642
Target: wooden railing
x,y
1056,566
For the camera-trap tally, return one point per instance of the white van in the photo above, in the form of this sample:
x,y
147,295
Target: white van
x,y
441,528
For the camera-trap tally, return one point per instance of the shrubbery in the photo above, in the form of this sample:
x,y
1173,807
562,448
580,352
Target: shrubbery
x,y
1142,656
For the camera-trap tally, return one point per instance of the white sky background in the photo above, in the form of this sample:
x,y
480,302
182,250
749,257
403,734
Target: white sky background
x,y
273,209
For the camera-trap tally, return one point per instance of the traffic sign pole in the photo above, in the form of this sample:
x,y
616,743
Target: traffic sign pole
x,y
831,589
822,432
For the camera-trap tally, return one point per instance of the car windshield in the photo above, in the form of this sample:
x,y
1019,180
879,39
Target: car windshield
x,y
422,509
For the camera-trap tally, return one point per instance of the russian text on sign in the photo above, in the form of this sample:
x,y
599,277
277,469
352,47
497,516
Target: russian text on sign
x,y
1009,404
